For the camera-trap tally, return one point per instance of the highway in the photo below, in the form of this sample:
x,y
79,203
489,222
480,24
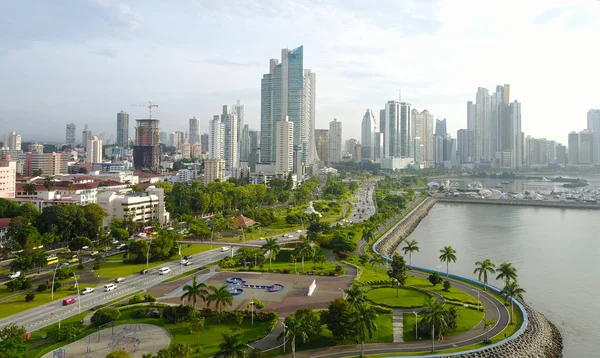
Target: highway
x,y
45,315
365,207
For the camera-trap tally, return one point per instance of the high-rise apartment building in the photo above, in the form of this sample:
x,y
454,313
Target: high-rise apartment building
x,y
593,124
204,140
70,135
214,169
322,143
122,129
425,120
284,146
465,146
146,152
94,150
283,94
177,139
229,121
216,138
573,148
164,138
244,144
368,129
194,130
50,164
308,113
335,141
254,150
86,135
586,147
12,141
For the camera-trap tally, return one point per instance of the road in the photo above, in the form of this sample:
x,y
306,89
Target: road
x,y
365,208
47,314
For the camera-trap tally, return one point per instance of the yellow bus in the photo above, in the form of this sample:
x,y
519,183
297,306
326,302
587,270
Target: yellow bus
x,y
51,260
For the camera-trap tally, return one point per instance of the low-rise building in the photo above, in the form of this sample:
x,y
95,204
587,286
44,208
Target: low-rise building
x,y
8,174
213,169
141,207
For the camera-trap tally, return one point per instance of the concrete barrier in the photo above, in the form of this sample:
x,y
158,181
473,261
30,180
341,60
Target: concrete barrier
x,y
534,203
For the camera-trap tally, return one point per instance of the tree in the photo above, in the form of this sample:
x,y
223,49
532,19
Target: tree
x,y
118,354
232,346
197,290
80,242
363,259
398,271
482,269
220,296
272,247
376,261
294,259
368,232
435,316
49,183
105,315
365,323
294,329
339,319
411,246
355,295
511,291
448,254
311,321
506,272
12,341
30,188
435,278
305,251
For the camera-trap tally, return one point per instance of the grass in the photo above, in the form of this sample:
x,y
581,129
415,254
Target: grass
x,y
17,304
386,296
187,273
467,319
282,263
452,294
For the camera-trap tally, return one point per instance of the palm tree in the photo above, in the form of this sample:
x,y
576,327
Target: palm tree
x,y
411,246
355,295
232,346
447,254
294,328
482,269
305,251
365,323
294,259
507,272
272,247
39,259
368,233
49,182
220,296
487,325
511,291
30,188
435,315
197,290
376,261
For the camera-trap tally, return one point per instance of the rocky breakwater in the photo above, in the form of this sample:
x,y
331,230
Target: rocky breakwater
x,y
541,339
405,227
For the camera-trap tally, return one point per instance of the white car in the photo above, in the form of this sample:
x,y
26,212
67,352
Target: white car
x,y
184,262
119,279
114,242
85,247
225,248
299,231
142,234
87,290
290,236
14,275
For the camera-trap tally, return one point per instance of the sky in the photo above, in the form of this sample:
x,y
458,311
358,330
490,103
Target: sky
x,y
82,61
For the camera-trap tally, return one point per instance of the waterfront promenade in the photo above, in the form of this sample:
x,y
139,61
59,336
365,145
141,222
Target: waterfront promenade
x,y
537,203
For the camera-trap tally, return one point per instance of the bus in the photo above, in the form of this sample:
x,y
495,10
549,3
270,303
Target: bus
x,y
51,260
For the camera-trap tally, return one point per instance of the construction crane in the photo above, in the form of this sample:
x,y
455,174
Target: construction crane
x,y
149,106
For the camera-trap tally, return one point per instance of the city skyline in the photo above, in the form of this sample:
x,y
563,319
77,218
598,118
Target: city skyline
x,y
122,47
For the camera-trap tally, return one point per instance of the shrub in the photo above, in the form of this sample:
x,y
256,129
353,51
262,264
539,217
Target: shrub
x,y
338,268
447,285
42,287
435,278
29,297
57,286
80,266
96,267
149,298
206,312
105,315
136,299
140,312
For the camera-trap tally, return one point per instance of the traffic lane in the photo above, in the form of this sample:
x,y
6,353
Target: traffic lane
x,y
40,317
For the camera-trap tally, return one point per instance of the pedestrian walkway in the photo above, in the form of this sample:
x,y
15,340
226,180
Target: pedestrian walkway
x,y
398,326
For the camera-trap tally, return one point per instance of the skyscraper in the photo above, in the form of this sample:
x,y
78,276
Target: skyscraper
x,y
440,128
593,124
574,148
405,140
12,141
146,152
466,146
94,150
482,123
282,94
335,141
368,130
86,135
229,121
390,128
194,130
244,143
284,147
216,138
513,132
426,135
70,135
322,142
308,113
254,149
164,138
123,129
204,140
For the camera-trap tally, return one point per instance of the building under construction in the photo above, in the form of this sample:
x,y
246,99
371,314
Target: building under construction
x,y
146,152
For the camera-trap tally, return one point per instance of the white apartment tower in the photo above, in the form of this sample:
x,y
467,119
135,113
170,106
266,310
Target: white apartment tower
x,y
284,146
335,141
368,129
94,150
12,141
229,122
308,120
216,138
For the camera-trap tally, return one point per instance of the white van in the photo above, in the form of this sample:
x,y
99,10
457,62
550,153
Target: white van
x,y
109,287
164,271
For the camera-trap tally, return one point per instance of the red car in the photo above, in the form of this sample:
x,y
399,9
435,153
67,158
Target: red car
x,y
68,301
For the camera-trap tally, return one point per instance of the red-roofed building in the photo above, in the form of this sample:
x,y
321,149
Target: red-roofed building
x,y
80,191
4,222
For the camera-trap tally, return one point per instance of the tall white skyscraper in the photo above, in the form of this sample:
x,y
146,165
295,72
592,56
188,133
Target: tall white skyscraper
x,y
216,138
12,141
368,129
123,129
482,125
593,124
335,141
239,111
308,114
194,130
405,138
391,130
283,94
93,150
229,121
70,135
284,146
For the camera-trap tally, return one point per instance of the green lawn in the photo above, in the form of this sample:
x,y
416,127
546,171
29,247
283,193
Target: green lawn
x,y
18,304
467,319
453,294
407,298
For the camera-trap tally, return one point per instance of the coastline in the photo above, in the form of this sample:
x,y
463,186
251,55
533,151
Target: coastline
x,y
534,203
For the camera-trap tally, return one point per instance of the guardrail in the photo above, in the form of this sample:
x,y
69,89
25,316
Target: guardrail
x,y
470,281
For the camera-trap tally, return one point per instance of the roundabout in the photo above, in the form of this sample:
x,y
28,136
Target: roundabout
x,y
403,298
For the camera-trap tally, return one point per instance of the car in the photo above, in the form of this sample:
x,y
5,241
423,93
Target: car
x,y
184,262
68,301
290,236
14,275
143,272
94,253
142,234
164,270
61,265
85,247
224,248
187,263
87,290
299,231
122,247
73,260
109,287
119,279
187,257
114,242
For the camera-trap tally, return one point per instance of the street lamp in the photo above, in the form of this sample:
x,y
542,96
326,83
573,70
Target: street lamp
x,y
252,305
478,302
77,287
53,276
148,253
57,316
284,327
416,325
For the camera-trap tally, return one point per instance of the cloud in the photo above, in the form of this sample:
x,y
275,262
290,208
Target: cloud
x,y
106,52
219,61
125,14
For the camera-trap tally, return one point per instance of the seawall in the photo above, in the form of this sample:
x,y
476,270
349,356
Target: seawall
x,y
536,203
537,337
